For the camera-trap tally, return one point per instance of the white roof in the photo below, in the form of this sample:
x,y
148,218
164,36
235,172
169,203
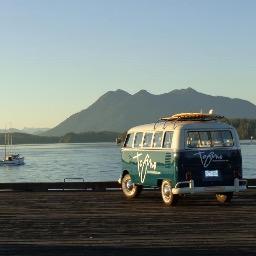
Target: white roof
x,y
170,126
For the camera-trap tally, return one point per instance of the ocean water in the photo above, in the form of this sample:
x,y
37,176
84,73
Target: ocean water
x,y
88,161
249,159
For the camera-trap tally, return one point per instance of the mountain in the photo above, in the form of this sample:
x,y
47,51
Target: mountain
x,y
35,131
11,130
118,110
24,138
27,130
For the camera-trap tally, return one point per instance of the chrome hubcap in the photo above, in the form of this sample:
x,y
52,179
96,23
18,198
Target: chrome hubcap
x,y
167,190
129,185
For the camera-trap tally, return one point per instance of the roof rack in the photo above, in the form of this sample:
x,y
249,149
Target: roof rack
x,y
192,117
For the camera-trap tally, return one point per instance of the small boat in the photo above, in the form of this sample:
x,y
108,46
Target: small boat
x,y
9,157
14,159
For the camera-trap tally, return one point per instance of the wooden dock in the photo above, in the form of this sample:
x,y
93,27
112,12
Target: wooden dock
x,y
105,223
72,185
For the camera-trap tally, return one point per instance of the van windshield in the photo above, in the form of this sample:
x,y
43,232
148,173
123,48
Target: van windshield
x,y
205,139
129,140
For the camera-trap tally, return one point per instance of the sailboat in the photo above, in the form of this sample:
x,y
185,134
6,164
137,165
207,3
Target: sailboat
x,y
9,157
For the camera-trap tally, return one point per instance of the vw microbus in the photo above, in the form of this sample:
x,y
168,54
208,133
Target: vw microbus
x,y
186,153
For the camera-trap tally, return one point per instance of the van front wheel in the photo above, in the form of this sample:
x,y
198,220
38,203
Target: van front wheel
x,y
224,197
130,190
166,191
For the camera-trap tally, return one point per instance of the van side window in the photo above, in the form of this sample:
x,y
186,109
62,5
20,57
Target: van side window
x,y
168,139
157,141
129,140
138,139
147,139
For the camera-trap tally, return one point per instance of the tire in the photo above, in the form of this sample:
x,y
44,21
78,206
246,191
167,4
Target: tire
x,y
166,191
130,190
224,197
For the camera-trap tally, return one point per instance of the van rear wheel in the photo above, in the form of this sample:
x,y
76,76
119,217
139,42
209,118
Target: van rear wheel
x,y
224,197
130,190
166,191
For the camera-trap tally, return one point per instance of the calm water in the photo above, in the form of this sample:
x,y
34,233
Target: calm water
x,y
91,161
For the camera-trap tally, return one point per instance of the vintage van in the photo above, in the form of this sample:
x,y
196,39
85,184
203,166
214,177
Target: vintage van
x,y
183,154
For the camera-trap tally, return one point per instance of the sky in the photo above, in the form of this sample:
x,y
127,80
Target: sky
x,y
58,56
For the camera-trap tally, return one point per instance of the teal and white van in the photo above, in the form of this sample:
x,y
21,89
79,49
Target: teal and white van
x,y
183,154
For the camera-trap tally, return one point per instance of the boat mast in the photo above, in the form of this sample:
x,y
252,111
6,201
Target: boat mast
x,y
5,142
11,148
8,142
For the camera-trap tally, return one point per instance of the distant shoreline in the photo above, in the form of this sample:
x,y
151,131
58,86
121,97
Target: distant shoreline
x,y
101,137
87,137
246,129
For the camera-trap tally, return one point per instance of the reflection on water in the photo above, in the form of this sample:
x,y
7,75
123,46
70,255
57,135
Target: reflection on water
x,y
249,158
91,161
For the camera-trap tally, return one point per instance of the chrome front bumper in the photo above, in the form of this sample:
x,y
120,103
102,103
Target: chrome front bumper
x,y
187,187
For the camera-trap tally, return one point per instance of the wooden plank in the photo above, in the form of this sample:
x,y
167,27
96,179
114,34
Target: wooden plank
x,y
103,223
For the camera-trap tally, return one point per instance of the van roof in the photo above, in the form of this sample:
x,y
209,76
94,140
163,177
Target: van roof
x,y
172,125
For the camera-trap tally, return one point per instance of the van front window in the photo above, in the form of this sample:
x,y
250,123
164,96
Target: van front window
x,y
129,140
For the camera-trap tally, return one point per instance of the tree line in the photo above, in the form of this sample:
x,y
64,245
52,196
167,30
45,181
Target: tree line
x,y
246,129
22,138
